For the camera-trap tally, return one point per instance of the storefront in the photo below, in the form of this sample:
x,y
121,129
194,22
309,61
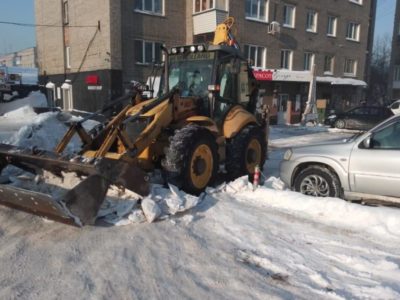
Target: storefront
x,y
286,93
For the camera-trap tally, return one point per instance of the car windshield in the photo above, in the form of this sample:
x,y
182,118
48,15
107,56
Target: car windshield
x,y
191,72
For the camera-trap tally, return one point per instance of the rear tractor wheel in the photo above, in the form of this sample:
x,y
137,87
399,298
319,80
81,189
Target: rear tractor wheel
x,y
245,151
191,160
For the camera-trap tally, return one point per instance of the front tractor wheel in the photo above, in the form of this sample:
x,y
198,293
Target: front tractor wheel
x,y
191,160
245,151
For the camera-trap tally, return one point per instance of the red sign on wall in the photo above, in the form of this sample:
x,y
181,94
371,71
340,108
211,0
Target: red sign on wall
x,y
263,75
92,80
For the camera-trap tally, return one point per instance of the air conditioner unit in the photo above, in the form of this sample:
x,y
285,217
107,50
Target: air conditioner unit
x,y
274,28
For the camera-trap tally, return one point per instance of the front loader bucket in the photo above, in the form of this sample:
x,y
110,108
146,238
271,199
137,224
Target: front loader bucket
x,y
78,205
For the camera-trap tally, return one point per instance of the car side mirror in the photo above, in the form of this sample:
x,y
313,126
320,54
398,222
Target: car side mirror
x,y
367,143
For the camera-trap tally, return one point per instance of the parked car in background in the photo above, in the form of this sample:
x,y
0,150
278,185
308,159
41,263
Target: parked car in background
x,y
366,166
395,107
362,118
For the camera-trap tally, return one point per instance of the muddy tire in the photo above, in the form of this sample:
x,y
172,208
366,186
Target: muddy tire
x,y
340,124
191,160
318,181
245,151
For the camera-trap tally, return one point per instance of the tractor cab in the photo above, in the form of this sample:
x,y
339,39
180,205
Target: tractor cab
x,y
216,76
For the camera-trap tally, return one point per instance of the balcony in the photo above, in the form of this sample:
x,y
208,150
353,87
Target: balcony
x,y
207,21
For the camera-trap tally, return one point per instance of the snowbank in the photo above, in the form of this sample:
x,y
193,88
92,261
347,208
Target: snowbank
x,y
44,132
382,222
35,99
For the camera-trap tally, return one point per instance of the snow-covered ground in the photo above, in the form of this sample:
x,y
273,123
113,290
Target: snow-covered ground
x,y
236,243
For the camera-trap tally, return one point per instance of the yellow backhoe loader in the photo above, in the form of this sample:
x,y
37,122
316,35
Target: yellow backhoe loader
x,y
203,118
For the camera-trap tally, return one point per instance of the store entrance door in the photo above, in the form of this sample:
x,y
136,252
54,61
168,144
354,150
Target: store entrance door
x,y
282,108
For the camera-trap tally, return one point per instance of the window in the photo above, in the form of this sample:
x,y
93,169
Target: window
x,y
65,12
360,111
228,80
150,6
256,54
350,66
68,57
147,52
289,12
328,65
202,5
396,76
387,138
311,23
257,9
353,31
308,61
331,30
395,105
286,59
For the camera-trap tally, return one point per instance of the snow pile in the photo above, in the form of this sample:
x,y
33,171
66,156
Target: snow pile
x,y
26,112
382,222
159,204
35,99
46,130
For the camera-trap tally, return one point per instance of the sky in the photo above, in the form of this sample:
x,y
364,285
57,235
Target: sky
x,y
385,18
13,38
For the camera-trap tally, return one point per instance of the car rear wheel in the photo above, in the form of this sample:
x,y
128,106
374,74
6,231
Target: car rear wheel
x,y
340,124
318,181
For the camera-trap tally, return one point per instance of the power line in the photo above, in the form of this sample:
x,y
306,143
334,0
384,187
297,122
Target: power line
x,y
46,25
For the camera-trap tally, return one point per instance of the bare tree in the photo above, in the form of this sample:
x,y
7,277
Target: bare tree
x,y
380,64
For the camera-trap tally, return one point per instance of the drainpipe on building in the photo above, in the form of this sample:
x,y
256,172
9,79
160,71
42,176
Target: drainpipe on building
x,y
370,44
63,38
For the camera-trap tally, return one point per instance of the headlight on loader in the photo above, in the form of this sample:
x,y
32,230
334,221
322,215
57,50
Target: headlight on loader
x,y
288,154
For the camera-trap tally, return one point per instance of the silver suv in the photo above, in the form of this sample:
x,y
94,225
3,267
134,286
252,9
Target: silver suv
x,y
366,166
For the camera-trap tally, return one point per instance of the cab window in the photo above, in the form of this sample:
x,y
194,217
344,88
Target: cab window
x,y
387,138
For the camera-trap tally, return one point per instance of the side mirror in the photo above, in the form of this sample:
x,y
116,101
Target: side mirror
x,y
367,143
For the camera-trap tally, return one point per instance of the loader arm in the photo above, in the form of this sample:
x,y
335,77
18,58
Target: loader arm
x,y
158,113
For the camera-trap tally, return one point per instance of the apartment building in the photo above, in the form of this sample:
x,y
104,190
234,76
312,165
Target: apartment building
x,y
394,75
23,58
99,46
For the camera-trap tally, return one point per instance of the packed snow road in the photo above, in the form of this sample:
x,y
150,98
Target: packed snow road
x,y
235,244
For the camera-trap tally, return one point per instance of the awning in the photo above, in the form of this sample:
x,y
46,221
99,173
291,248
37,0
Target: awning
x,y
341,81
302,76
